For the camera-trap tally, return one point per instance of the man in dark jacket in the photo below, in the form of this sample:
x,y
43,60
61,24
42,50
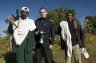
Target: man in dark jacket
x,y
44,37
77,39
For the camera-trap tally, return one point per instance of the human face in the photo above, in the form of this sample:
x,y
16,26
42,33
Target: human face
x,y
69,16
24,14
43,13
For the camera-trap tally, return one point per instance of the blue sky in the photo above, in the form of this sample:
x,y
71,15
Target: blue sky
x,y
82,7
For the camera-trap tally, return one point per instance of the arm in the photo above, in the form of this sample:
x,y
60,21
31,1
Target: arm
x,y
82,37
52,33
10,29
31,41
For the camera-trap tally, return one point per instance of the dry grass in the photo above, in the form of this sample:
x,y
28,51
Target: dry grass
x,y
57,52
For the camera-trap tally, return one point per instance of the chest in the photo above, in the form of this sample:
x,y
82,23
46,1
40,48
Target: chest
x,y
23,25
71,26
43,25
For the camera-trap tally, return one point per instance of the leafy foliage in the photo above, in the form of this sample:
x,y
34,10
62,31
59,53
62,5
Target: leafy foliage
x,y
90,24
59,14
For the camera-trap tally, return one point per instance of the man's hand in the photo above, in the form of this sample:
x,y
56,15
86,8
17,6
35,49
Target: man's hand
x,y
37,32
41,32
10,19
50,46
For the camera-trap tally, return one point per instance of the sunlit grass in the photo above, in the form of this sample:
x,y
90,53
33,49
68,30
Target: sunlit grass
x,y
58,54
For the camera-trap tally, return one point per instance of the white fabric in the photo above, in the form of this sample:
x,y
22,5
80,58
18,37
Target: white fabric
x,y
65,33
21,32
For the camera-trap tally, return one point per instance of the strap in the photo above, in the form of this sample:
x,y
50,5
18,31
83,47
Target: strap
x,y
17,24
75,25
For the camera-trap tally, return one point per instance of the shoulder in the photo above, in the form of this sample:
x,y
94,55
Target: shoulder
x,y
16,21
31,21
38,19
49,21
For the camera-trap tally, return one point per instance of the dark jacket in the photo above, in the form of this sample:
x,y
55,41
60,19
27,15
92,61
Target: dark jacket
x,y
79,36
30,42
45,25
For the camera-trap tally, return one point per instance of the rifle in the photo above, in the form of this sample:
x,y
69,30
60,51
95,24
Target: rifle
x,y
11,19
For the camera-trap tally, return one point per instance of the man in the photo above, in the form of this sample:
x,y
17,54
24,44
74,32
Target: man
x,y
23,35
44,37
73,37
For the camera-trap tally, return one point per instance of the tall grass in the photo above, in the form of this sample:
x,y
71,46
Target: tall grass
x,y
58,54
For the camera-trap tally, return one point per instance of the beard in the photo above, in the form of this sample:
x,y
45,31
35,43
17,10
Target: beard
x,y
23,17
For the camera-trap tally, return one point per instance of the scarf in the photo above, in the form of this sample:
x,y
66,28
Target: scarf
x,y
65,33
22,30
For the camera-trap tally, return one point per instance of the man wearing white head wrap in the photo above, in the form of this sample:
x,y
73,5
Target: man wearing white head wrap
x,y
24,37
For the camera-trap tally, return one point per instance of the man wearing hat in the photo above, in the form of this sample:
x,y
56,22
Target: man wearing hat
x,y
24,37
